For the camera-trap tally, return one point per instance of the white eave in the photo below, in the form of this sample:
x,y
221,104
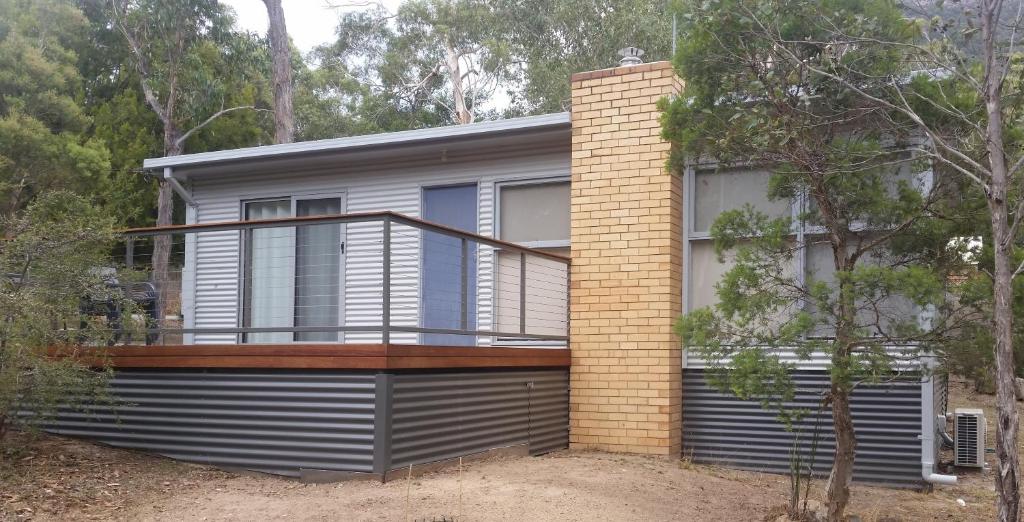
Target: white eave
x,y
482,129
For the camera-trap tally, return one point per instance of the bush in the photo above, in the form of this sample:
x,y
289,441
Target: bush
x,y
52,260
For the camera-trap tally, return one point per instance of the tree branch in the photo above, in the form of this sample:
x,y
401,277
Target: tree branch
x,y
213,117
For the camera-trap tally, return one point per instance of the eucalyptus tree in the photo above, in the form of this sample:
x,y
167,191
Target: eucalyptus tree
x,y
438,59
869,234
281,57
553,40
171,45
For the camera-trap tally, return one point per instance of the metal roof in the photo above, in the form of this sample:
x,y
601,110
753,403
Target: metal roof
x,y
487,128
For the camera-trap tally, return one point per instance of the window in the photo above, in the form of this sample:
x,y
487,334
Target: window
x,y
533,214
711,192
716,192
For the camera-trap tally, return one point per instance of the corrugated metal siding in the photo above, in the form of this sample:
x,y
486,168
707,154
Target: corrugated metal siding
x,y
441,416
271,421
720,429
395,188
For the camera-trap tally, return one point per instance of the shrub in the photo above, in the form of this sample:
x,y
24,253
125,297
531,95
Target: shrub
x,y
52,261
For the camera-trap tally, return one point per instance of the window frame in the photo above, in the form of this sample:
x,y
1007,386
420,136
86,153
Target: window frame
x,y
244,257
540,245
800,230
549,180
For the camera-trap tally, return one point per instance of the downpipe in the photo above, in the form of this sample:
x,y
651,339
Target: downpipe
x,y
932,424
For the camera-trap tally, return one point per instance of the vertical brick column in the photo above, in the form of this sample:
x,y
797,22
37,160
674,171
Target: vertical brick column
x,y
627,265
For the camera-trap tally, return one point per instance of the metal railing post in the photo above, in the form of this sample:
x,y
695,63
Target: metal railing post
x,y
522,292
568,298
386,298
464,281
129,251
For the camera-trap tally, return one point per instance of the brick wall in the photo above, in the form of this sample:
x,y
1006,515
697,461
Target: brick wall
x,y
627,263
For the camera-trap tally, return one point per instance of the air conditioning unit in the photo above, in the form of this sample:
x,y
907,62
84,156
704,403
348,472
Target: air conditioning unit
x,y
969,435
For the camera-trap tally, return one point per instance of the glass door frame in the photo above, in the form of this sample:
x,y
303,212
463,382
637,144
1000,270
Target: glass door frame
x,y
342,197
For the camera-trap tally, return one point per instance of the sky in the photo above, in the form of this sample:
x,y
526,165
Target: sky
x,y
310,22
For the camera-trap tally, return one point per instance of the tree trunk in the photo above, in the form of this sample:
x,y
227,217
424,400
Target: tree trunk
x,y
837,490
284,116
1008,473
462,113
162,242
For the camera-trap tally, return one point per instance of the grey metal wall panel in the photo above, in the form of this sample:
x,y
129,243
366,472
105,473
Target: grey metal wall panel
x,y
447,415
721,429
274,421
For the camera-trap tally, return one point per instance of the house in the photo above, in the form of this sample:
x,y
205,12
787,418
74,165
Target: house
x,y
359,305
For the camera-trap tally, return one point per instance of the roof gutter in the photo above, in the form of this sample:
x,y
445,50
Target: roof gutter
x,y
177,186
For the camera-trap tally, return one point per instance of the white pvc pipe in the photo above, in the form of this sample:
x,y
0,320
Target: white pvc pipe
x,y
937,478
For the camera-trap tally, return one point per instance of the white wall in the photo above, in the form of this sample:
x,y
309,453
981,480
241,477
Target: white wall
x,y
213,302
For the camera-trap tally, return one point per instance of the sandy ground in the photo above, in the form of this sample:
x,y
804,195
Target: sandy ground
x,y
61,479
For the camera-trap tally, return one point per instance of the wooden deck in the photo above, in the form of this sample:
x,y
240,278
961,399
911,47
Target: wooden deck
x,y
326,356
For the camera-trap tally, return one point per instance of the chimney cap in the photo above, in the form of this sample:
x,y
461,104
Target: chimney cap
x,y
631,56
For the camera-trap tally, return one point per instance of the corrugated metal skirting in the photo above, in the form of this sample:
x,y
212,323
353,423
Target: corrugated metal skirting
x,y
274,421
720,429
290,421
441,416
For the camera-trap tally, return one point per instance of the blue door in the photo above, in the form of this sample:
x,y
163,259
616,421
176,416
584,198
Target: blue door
x,y
442,264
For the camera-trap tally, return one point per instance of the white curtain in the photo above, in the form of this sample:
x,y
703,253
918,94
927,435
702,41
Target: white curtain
x,y
269,278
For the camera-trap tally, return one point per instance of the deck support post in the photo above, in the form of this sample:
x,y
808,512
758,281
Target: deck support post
x,y
384,387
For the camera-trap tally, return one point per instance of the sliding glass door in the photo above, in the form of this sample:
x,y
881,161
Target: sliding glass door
x,y
269,268
292,275
318,250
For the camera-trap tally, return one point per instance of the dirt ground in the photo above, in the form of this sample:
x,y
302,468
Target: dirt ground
x,y
63,479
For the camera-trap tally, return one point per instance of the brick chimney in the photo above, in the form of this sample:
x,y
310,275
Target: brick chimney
x,y
626,215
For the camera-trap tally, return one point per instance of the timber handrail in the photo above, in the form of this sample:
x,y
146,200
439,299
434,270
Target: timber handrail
x,y
356,217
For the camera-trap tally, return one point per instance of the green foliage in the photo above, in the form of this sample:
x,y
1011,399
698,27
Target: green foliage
x,y
388,71
877,252
557,39
220,67
382,74
51,263
44,140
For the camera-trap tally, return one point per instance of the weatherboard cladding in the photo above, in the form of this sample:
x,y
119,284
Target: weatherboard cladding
x,y
396,187
721,429
273,421
441,416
